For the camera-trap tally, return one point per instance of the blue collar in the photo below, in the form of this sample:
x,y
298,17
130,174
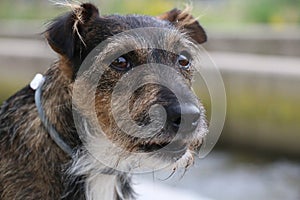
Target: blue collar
x,y
37,84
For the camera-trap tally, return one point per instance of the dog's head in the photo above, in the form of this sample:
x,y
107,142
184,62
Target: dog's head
x,y
145,77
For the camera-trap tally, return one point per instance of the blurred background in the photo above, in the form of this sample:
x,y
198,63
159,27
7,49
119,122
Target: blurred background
x,y
256,45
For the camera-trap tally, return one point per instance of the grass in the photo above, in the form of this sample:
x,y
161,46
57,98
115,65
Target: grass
x,y
268,109
273,11
8,88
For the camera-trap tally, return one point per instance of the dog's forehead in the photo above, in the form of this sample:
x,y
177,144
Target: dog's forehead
x,y
111,25
139,21
138,32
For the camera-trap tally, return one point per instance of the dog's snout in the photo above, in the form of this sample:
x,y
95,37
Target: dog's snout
x,y
183,116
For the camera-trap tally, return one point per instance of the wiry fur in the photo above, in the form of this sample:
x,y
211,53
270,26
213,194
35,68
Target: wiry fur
x,y
32,166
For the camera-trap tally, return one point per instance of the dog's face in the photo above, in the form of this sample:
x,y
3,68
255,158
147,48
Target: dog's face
x,y
76,34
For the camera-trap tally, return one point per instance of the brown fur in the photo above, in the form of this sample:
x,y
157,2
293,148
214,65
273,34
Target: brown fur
x,y
32,166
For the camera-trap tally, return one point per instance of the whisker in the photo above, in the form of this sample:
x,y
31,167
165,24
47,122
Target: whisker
x,y
172,173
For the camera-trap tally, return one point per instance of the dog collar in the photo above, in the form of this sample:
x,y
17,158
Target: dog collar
x,y
37,84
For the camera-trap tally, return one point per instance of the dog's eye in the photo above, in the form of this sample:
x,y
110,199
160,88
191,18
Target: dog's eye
x,y
184,62
121,63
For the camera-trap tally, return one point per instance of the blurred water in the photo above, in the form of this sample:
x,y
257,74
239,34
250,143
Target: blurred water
x,y
231,176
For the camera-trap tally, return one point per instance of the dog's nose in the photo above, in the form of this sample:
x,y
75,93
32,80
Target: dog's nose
x,y
183,116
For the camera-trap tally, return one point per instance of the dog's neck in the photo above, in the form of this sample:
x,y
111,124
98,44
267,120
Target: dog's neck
x,y
56,101
92,182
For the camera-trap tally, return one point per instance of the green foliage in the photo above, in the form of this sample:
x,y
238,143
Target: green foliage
x,y
256,11
222,11
273,11
153,7
36,9
16,9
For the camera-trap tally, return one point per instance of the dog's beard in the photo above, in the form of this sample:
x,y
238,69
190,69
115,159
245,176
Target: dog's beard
x,y
125,154
102,160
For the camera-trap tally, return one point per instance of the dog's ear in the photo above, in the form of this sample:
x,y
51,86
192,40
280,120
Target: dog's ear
x,y
66,33
183,19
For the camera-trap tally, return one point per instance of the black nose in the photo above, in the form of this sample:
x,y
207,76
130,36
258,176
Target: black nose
x,y
183,116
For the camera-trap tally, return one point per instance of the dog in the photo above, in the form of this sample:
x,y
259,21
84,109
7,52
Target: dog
x,y
46,155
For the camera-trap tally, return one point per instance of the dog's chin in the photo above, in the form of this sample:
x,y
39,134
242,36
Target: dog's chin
x,y
165,151
166,147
